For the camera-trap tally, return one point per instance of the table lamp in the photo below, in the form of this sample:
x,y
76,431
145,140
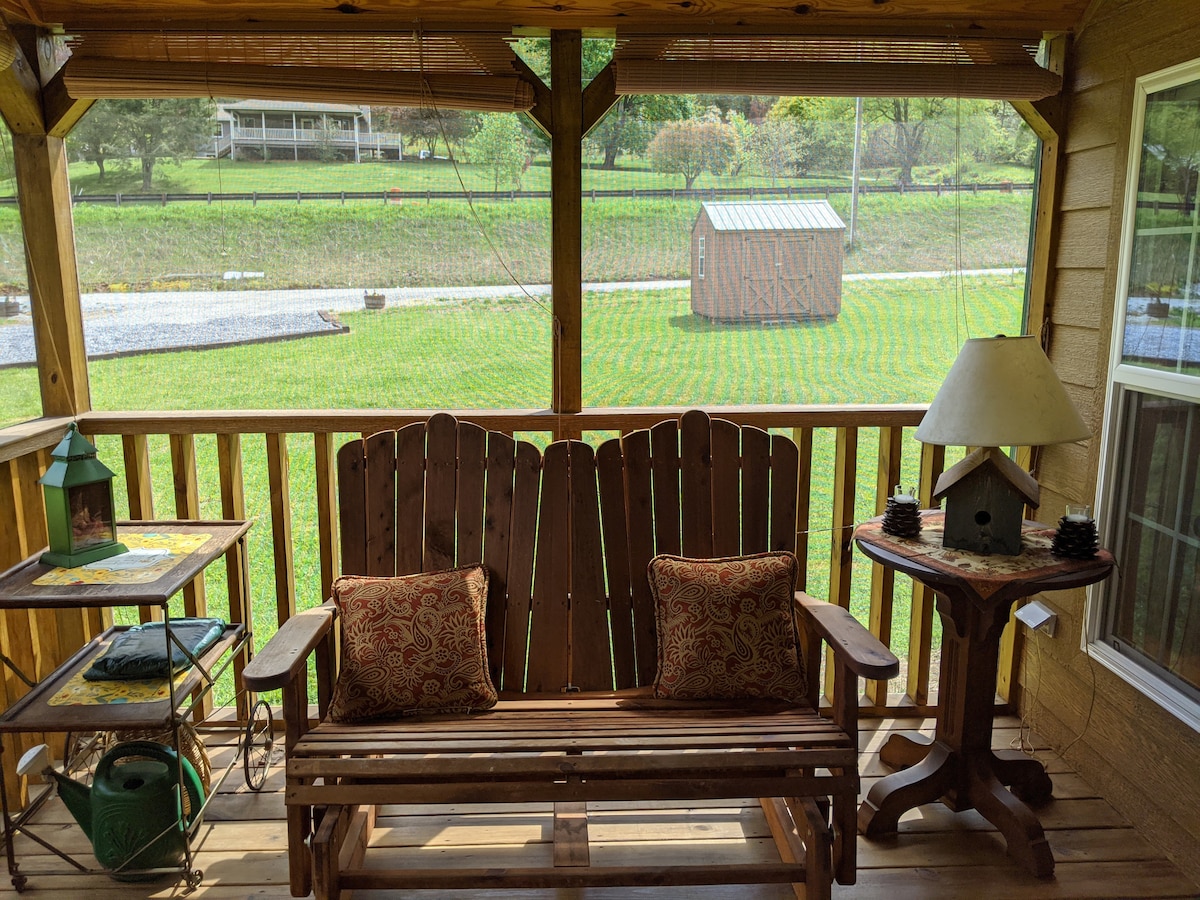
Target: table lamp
x,y
1000,392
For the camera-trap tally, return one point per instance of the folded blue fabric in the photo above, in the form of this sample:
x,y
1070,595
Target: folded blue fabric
x,y
141,652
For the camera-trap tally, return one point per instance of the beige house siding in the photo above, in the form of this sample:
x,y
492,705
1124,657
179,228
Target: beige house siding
x,y
1141,758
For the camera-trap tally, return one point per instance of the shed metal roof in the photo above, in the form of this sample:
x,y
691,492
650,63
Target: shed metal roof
x,y
773,215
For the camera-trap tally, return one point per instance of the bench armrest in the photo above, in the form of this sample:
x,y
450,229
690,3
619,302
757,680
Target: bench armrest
x,y
286,653
852,644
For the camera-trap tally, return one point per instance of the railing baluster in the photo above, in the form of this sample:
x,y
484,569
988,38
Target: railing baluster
x,y
920,626
233,506
883,579
135,449
841,561
281,526
187,506
803,438
326,509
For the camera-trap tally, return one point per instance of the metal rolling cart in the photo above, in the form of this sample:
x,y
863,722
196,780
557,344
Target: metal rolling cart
x,y
171,711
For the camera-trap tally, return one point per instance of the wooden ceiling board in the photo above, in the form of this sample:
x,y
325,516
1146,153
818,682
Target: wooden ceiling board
x,y
854,16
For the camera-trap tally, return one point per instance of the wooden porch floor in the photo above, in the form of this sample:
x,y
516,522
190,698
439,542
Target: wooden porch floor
x,y
938,854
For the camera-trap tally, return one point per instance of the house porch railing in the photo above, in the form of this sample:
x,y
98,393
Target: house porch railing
x,y
194,465
306,137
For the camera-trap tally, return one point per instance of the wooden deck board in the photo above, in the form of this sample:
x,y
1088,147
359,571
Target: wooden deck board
x,y
937,854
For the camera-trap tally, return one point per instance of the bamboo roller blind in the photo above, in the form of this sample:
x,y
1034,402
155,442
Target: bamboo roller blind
x,y
398,69
831,67
476,71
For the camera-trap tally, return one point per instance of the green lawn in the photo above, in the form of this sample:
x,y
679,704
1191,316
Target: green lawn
x,y
893,342
370,244
201,176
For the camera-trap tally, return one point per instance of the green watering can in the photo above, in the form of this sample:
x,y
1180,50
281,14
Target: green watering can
x,y
131,813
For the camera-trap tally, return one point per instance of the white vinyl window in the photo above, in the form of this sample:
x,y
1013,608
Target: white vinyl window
x,y
1145,620
700,256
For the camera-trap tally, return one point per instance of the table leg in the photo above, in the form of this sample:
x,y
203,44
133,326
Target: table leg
x,y
905,749
1021,829
1026,775
894,795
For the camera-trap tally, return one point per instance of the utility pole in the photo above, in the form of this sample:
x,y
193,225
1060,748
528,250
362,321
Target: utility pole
x,y
858,116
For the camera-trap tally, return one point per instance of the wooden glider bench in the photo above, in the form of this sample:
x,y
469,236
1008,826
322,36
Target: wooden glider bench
x,y
570,631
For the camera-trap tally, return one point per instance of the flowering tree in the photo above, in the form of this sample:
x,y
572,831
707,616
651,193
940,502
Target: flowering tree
x,y
692,147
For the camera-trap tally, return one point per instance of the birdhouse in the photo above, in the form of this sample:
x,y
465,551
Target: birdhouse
x,y
80,516
986,495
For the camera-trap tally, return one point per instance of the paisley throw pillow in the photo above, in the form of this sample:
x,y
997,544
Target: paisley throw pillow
x,y
725,628
412,643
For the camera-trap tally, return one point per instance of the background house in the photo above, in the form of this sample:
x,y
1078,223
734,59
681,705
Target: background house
x,y
265,129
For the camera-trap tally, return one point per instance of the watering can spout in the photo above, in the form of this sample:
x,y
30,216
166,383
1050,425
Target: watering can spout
x,y
75,796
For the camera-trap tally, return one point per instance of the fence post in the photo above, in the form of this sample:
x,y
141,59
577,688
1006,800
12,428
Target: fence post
x,y
164,199
254,198
210,198
297,197
118,195
343,198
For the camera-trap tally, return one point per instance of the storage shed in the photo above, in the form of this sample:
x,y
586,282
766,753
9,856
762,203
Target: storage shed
x,y
767,261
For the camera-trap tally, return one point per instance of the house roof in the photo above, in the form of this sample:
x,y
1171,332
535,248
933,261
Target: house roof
x,y
772,215
293,106
989,458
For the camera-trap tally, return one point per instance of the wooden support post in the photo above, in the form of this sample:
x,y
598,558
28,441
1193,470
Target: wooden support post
x,y
571,834
566,208
44,198
1046,118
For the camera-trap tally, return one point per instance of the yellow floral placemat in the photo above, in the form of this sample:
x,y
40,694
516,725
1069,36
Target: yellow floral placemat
x,y
81,692
152,555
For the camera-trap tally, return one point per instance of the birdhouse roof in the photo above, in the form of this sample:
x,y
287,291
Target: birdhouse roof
x,y
990,460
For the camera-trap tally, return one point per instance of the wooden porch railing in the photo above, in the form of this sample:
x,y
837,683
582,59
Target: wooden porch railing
x,y
288,459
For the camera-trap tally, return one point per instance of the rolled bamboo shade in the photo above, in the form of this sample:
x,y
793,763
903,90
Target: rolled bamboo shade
x,y
835,79
98,78
831,66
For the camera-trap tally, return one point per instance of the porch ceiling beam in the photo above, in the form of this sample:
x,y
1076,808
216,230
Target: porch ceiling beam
x,y
858,15
120,78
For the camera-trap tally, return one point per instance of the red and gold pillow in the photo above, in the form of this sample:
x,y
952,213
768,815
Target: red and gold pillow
x,y
725,628
413,643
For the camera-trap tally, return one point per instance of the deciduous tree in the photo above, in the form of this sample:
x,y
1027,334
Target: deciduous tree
x,y
501,147
692,147
146,130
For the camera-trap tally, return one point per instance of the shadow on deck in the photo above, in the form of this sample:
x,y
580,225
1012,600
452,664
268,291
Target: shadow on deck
x,y
937,854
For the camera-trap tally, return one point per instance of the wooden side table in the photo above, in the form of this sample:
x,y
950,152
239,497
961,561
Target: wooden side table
x,y
975,594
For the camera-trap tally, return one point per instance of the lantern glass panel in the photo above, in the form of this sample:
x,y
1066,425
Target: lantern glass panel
x,y
92,518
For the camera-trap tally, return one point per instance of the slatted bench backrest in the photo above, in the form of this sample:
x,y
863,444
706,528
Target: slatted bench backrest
x,y
566,536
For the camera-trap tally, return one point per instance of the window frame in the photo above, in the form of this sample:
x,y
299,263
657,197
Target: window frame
x,y
1123,378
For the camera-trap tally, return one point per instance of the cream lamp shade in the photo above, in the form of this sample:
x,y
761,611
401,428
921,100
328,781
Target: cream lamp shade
x,y
1002,392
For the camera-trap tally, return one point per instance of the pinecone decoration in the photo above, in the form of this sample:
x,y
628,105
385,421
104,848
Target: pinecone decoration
x,y
902,519
1075,539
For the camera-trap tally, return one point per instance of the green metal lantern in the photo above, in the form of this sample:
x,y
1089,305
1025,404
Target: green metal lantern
x,y
80,514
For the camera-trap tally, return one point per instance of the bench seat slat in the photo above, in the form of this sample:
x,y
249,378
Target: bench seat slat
x,y
626,788
450,767
573,877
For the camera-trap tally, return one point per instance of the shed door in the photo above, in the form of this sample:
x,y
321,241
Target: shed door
x,y
776,275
